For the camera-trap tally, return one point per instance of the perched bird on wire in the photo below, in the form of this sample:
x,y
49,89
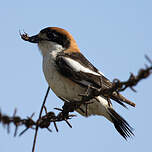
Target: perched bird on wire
x,y
69,74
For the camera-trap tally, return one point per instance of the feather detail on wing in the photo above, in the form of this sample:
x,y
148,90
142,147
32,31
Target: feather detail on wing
x,y
77,68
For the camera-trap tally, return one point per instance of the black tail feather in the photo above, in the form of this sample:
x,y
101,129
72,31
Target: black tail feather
x,y
120,124
120,102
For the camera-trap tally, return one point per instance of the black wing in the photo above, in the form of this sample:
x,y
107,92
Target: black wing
x,y
77,68
68,65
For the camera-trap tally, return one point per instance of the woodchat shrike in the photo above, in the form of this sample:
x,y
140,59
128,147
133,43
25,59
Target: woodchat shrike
x,y
69,74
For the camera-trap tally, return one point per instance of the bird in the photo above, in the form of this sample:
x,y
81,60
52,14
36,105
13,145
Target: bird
x,y
69,74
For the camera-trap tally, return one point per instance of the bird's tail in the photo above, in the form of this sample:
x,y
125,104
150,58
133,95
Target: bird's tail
x,y
121,99
120,124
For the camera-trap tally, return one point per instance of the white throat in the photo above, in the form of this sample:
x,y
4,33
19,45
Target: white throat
x,y
47,47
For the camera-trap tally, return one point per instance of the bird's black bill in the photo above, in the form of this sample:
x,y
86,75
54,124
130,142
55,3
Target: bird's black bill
x,y
34,39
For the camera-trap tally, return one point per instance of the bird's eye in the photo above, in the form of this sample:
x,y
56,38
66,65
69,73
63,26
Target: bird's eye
x,y
51,35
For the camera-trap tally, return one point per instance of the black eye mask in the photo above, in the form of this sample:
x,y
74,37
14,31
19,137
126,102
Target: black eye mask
x,y
57,37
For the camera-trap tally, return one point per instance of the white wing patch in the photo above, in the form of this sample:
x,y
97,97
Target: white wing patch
x,y
101,73
76,66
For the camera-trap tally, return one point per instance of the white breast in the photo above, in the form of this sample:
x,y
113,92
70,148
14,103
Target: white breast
x,y
60,85
64,87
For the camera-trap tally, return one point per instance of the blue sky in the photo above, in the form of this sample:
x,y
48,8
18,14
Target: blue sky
x,y
113,35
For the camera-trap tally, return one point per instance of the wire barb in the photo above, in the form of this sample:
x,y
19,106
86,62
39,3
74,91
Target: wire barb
x,y
69,106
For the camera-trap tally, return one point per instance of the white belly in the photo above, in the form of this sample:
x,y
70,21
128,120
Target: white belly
x,y
60,85
69,90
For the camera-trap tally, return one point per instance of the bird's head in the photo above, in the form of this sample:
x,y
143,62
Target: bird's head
x,y
53,39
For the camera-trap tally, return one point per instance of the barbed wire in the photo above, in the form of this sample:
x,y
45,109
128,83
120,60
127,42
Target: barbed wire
x,y
116,87
43,122
49,118
63,115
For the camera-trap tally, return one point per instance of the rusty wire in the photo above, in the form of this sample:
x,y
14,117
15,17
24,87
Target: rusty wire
x,y
43,122
50,118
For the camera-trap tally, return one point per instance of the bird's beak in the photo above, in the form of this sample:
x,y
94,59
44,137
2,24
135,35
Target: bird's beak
x,y
32,39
